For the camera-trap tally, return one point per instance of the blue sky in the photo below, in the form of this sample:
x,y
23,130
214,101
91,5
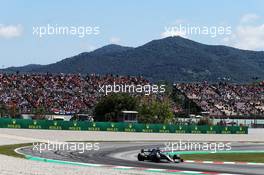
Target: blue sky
x,y
129,23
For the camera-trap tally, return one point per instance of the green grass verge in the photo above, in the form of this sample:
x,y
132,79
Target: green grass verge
x,y
9,149
230,157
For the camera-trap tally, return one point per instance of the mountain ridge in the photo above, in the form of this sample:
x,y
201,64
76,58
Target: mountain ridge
x,y
174,59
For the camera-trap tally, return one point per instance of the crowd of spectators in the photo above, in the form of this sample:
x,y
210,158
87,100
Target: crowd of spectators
x,y
59,94
73,93
225,99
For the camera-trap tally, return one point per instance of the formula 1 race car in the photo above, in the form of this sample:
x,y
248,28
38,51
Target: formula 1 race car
x,y
155,155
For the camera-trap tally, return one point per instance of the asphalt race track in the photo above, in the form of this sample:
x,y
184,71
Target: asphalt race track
x,y
125,154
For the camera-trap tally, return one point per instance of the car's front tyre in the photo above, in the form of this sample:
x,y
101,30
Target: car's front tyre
x,y
177,158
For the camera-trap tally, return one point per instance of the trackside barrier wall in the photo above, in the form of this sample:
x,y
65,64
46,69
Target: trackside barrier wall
x,y
121,127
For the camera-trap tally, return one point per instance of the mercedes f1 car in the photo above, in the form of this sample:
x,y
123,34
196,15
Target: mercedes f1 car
x,y
155,155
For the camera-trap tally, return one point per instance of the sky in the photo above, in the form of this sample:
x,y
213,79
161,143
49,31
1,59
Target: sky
x,y
24,37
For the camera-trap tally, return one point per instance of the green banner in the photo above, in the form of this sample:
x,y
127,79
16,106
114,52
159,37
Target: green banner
x,y
119,127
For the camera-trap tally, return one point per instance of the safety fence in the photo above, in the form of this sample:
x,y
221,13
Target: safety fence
x,y
119,127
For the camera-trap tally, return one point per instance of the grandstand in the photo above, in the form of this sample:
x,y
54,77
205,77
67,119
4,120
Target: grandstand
x,y
224,99
55,94
68,94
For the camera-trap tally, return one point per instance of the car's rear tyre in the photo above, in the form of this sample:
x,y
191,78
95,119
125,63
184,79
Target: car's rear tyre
x,y
140,157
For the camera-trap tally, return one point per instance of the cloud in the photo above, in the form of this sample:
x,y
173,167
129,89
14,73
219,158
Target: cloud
x,y
247,35
249,18
88,47
115,40
171,31
250,37
10,31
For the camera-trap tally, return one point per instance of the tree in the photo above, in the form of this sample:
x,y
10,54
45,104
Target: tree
x,y
155,111
110,106
205,121
14,111
39,112
151,109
